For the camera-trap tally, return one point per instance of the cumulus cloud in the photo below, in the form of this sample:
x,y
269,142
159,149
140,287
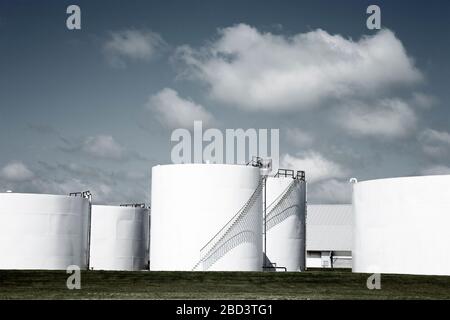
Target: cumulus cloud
x,y
134,45
434,136
72,177
423,100
298,137
16,172
390,118
256,70
107,186
173,111
327,179
435,143
315,165
103,146
331,191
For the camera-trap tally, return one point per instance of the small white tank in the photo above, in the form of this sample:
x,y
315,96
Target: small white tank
x,y
286,222
119,238
40,231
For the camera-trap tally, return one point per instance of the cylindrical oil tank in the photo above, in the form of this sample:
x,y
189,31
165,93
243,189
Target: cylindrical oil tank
x,y
285,223
39,231
401,225
119,238
206,217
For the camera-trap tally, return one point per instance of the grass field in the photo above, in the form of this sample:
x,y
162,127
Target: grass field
x,y
219,285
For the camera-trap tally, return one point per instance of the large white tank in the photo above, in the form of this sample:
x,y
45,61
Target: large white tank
x,y
39,231
402,225
119,238
206,217
286,221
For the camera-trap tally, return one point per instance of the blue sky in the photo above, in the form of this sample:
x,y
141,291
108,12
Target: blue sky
x,y
89,109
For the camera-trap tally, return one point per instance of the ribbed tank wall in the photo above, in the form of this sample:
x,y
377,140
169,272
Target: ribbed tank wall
x,y
197,221
40,231
119,238
401,225
286,223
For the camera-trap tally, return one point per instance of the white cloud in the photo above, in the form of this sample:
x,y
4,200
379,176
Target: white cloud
x,y
435,143
103,146
16,172
136,45
391,118
423,101
107,186
315,165
436,170
434,136
298,137
247,68
323,175
330,191
173,111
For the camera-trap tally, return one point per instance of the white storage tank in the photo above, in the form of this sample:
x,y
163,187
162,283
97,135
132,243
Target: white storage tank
x,y
401,225
119,238
39,231
286,221
206,217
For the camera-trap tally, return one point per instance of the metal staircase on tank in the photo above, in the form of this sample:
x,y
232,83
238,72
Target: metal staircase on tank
x,y
282,207
235,232
286,204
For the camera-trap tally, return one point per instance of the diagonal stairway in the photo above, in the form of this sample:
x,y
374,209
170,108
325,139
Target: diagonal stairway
x,y
285,205
233,233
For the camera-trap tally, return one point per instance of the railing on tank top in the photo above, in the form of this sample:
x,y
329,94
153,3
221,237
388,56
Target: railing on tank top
x,y
300,175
